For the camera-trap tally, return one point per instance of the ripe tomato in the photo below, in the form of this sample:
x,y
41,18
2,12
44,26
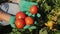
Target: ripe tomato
x,y
20,23
29,21
33,9
20,15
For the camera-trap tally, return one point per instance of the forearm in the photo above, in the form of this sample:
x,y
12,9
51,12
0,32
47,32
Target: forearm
x,y
4,16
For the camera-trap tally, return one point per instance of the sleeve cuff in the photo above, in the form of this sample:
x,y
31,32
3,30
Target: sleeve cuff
x,y
26,5
12,20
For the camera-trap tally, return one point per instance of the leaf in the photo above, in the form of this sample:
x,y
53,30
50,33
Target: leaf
x,y
14,30
32,27
26,27
18,33
33,15
57,32
38,15
38,0
58,21
49,17
43,31
11,33
35,22
45,7
29,14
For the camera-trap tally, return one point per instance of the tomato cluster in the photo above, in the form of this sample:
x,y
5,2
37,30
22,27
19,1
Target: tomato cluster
x,y
22,20
20,23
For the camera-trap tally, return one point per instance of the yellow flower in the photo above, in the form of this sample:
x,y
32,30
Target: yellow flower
x,y
49,24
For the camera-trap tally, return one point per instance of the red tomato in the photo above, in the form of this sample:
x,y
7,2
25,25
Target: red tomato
x,y
20,15
20,23
29,21
33,9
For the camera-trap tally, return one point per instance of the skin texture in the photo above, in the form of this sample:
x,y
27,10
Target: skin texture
x,y
17,1
4,16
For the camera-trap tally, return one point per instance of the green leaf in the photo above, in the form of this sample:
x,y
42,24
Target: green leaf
x,y
11,33
32,27
38,0
18,32
26,27
33,15
38,15
35,22
57,32
49,17
14,30
43,31
29,14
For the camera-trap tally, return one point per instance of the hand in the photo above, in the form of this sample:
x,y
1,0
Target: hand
x,y
4,16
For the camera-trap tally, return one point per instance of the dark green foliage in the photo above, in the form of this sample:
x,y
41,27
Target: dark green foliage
x,y
47,9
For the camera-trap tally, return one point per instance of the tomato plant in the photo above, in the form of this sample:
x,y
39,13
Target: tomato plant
x,y
20,15
33,9
20,23
29,21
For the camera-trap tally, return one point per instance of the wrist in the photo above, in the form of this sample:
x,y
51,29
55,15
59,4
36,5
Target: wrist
x,y
16,1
